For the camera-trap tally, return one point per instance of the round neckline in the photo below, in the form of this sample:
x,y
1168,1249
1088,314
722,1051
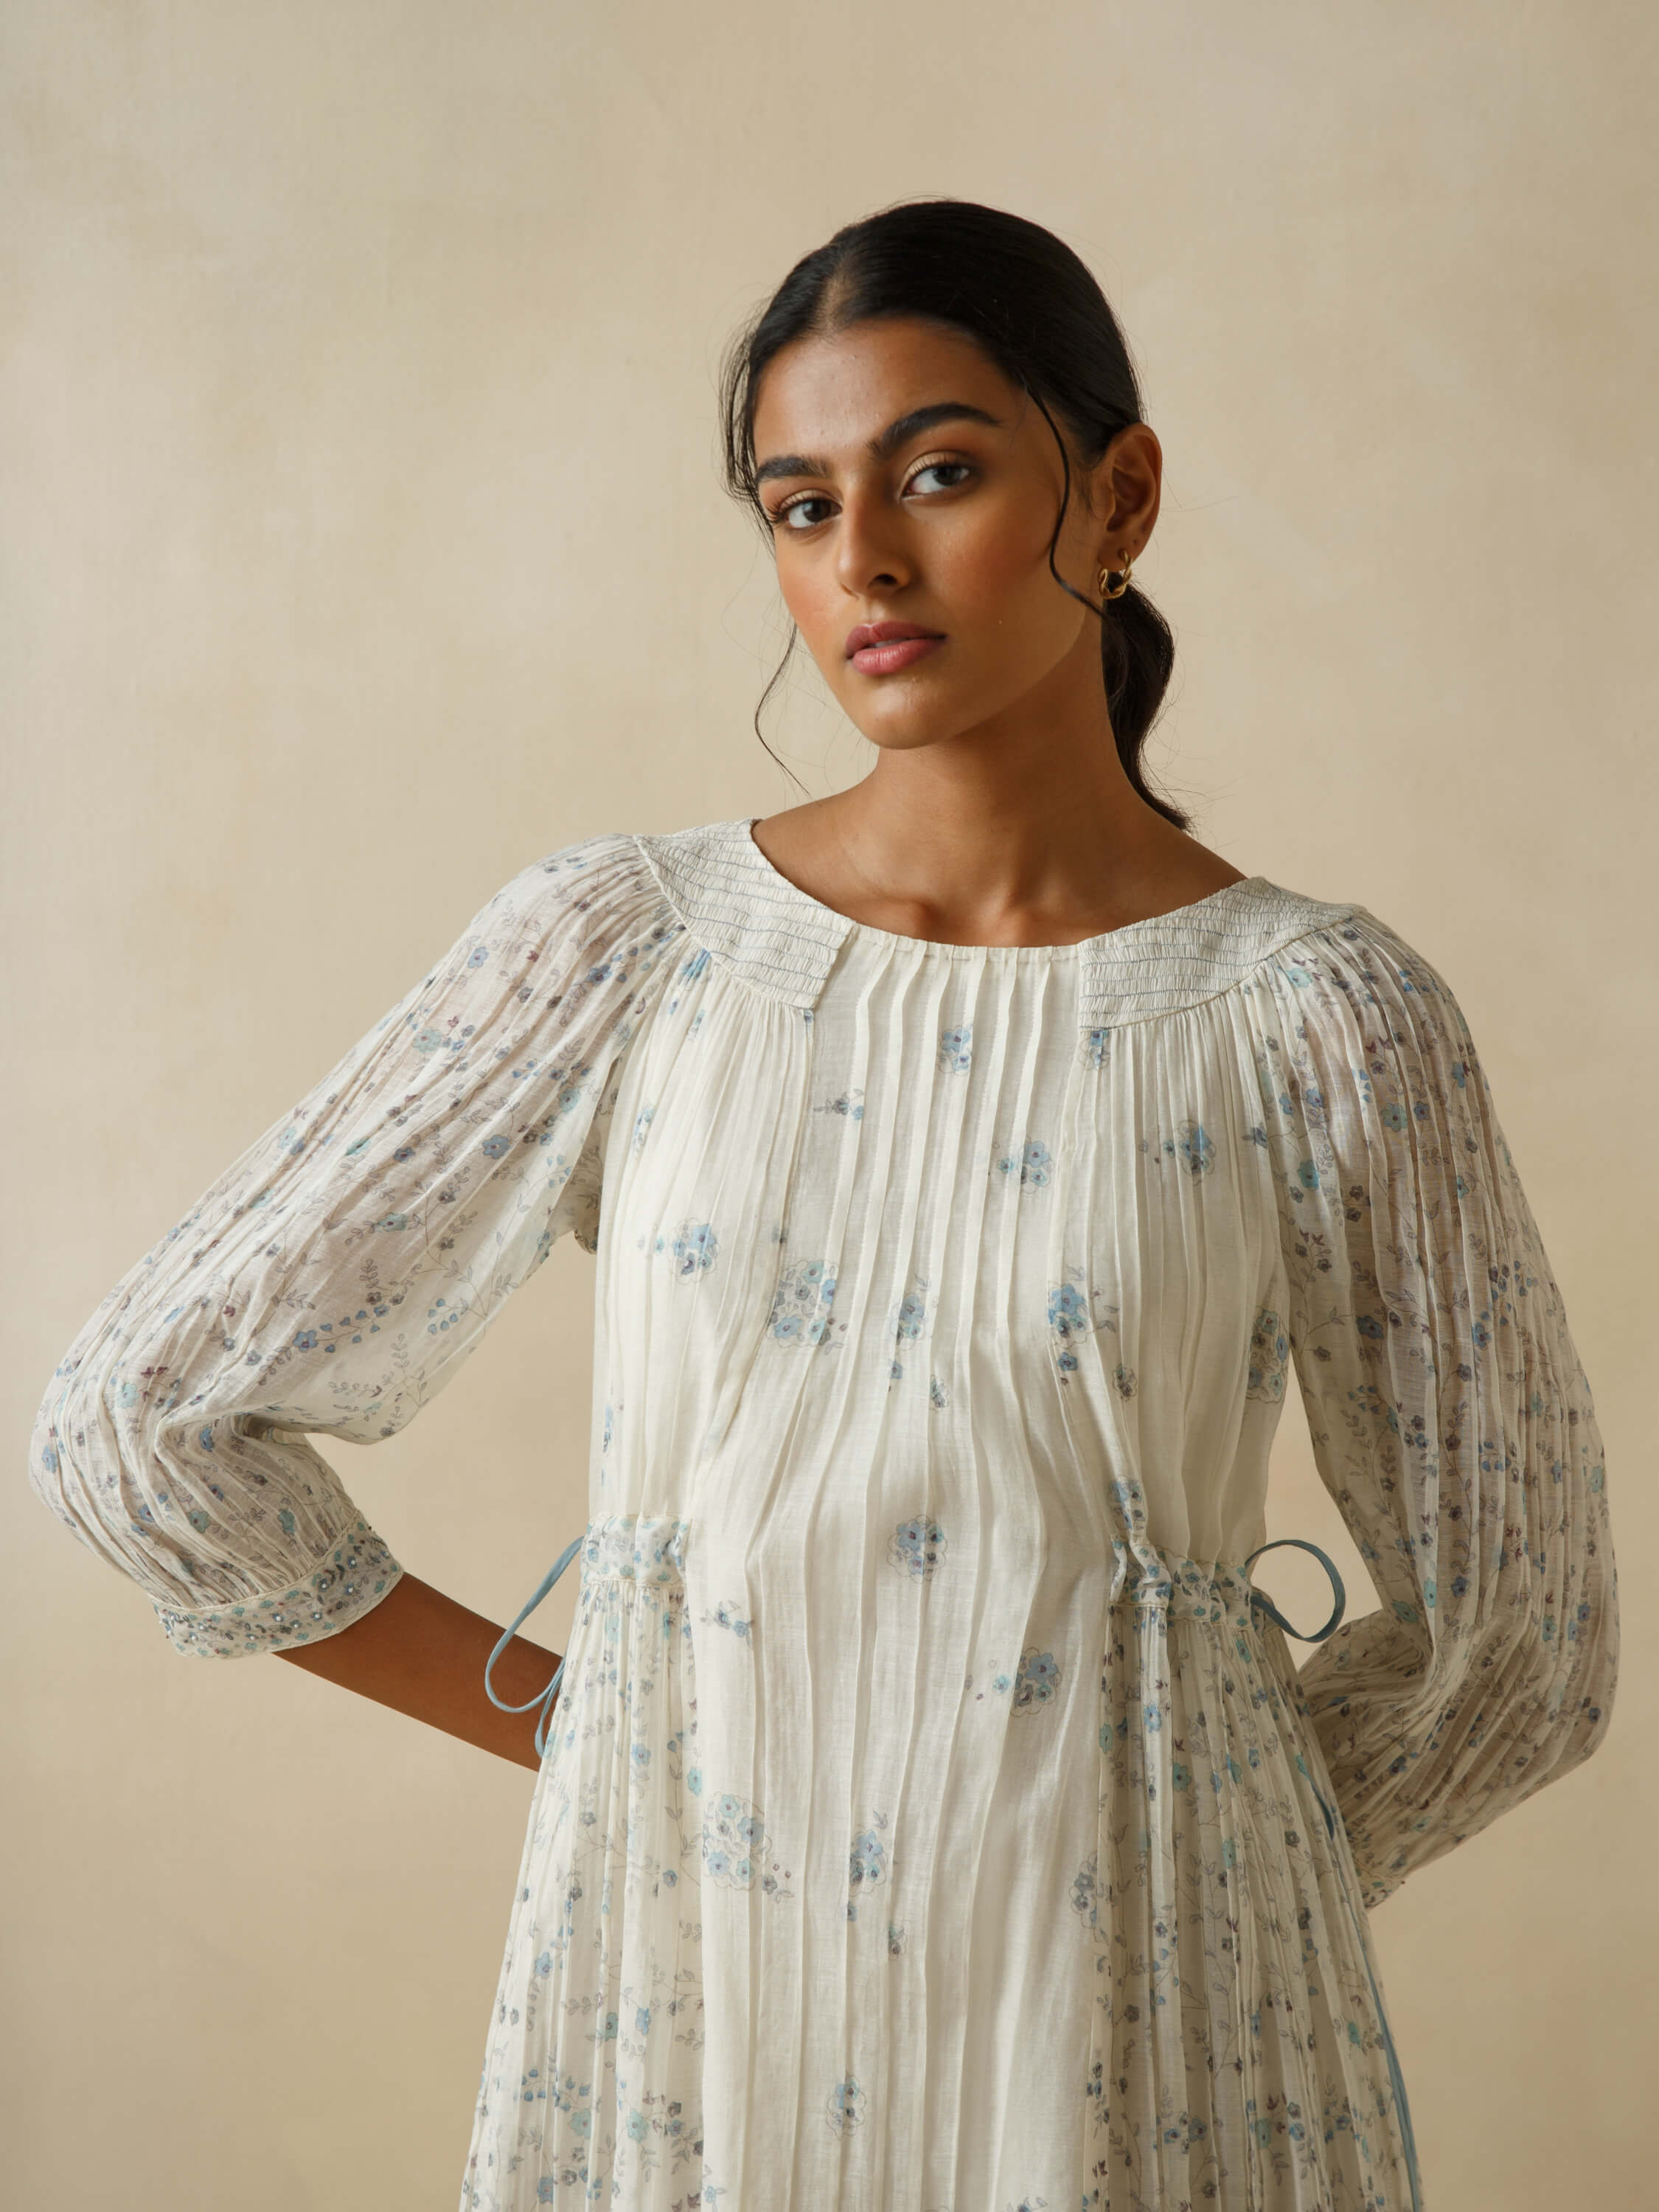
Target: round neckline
x,y
1099,944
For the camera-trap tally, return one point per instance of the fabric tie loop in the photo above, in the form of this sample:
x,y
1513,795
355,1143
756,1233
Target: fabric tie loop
x,y
1260,1597
543,1698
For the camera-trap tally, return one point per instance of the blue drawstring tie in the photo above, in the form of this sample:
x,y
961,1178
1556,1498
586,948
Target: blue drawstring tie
x,y
1260,1597
543,1698
1257,1597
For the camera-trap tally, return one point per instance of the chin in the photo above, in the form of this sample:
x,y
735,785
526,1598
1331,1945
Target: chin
x,y
902,724
904,733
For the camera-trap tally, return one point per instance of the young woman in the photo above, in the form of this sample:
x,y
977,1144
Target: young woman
x,y
929,1813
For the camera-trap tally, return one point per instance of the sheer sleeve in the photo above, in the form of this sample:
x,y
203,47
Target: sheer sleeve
x,y
1451,1418
333,1279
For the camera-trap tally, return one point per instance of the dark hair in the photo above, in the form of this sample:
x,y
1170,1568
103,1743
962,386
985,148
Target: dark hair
x,y
1035,308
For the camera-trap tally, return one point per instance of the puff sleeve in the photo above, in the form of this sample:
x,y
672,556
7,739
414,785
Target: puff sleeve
x,y
333,1279
1451,1419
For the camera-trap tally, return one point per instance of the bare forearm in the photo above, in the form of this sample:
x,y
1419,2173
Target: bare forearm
x,y
423,1654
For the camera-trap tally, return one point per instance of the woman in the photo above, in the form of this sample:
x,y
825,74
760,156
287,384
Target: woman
x,y
929,1813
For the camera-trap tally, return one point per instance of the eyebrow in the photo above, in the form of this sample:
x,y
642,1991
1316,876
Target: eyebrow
x,y
885,442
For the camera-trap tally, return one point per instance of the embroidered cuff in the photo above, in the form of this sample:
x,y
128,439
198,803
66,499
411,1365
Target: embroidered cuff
x,y
359,1572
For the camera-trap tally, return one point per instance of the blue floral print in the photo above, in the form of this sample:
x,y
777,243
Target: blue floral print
x,y
736,1850
918,1547
925,1769
866,1861
1074,1313
1037,1681
801,1306
1032,1165
1270,1350
694,1247
956,1048
846,2106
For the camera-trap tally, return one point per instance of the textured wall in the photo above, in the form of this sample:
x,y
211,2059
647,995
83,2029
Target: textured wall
x,y
362,540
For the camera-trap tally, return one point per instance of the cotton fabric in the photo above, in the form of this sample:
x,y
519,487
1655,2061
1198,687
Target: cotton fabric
x,y
930,1820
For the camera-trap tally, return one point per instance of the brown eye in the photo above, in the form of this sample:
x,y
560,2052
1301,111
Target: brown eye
x,y
932,468
789,506
780,515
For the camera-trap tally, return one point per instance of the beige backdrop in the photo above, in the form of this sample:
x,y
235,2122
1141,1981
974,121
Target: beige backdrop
x,y
363,542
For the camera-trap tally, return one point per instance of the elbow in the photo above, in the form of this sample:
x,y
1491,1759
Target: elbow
x,y
55,1473
1589,1637
1579,1680
1590,1686
84,1466
1547,1681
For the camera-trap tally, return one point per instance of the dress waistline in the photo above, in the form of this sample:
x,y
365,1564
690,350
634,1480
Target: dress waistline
x,y
650,1549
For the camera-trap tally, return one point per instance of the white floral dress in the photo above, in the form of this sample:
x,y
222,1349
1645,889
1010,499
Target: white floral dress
x,y
933,1818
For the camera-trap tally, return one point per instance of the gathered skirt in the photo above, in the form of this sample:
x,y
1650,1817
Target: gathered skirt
x,y
1213,2025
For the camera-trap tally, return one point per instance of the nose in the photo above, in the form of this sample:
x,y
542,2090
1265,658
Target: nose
x,y
870,551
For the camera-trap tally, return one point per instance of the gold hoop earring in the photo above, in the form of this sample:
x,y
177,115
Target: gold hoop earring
x,y
1123,584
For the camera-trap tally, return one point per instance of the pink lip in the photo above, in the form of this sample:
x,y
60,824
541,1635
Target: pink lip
x,y
882,660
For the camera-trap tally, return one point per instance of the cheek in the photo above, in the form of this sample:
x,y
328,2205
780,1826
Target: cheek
x,y
1007,612
817,603
996,569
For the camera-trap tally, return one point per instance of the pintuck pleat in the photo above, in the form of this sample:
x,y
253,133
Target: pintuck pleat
x,y
602,1960
947,1827
933,1818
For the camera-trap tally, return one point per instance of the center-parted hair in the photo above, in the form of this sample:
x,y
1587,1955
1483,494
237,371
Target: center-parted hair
x,y
1035,308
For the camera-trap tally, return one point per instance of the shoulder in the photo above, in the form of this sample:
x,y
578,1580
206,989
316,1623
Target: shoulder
x,y
590,909
610,860
599,885
1368,950
1360,973
633,890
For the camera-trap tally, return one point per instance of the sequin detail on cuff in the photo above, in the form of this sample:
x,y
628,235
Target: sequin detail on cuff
x,y
358,1575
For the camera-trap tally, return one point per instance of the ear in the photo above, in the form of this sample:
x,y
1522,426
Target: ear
x,y
1126,484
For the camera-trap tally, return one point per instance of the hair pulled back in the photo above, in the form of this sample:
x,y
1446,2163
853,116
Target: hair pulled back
x,y
1037,312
